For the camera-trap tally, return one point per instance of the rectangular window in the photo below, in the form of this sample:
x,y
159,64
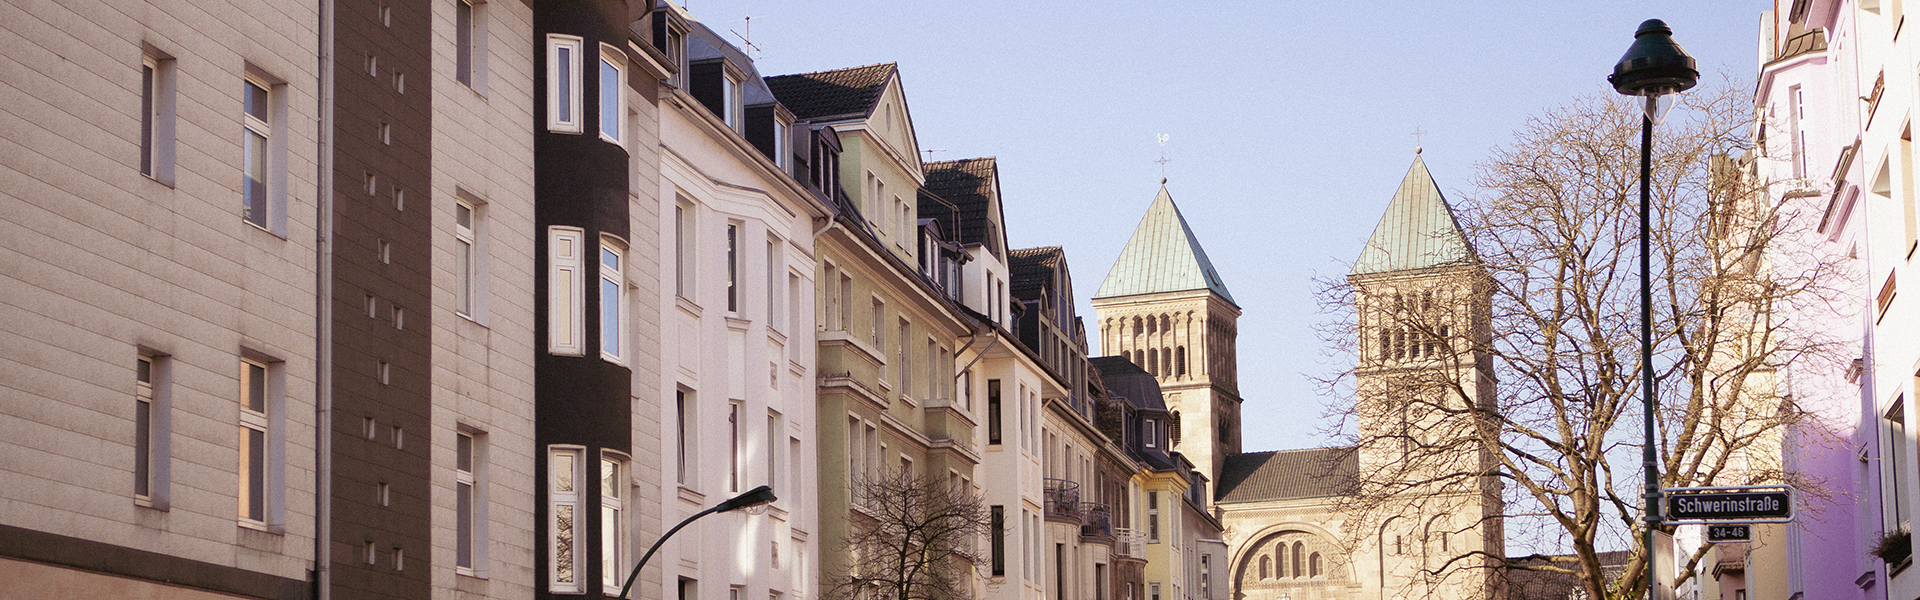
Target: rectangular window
x,y
845,317
773,450
733,446
613,85
157,117
466,257
257,134
683,249
563,519
1206,575
470,44
997,532
683,430
1153,517
830,313
933,370
856,457
259,397
152,431
1898,456
733,267
1150,433
1153,591
563,83
879,320
993,411
470,508
613,294
613,528
904,352
774,271
781,157
566,281
730,100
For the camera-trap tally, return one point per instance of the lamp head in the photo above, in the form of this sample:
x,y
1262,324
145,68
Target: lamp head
x,y
754,497
1654,65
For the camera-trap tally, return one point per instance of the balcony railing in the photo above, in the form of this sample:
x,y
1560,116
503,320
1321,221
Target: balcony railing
x,y
1062,498
1096,520
1130,542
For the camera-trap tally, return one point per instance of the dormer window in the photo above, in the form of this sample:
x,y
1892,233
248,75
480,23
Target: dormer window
x,y
733,113
1150,433
781,157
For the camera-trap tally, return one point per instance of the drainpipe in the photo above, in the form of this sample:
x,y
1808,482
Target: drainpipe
x,y
323,318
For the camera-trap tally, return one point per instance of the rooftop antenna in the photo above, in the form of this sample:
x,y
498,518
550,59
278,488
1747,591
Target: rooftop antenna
x,y
1163,158
746,39
929,152
1417,132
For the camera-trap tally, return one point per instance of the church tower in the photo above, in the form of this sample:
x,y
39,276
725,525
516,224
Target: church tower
x,y
1164,307
1422,302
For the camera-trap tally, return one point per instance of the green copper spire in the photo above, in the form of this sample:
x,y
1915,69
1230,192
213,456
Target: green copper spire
x,y
1417,232
1163,256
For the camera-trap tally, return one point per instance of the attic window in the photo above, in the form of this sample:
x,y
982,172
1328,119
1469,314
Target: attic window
x,y
730,100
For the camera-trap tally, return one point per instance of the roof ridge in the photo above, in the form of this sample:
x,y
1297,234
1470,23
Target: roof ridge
x,y
892,63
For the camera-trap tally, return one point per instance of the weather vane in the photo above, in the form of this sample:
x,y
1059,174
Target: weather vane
x,y
1163,158
1417,132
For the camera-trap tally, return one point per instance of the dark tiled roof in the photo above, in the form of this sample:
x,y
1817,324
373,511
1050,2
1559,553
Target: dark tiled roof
x,y
1287,474
967,184
850,91
1032,270
1528,584
1130,382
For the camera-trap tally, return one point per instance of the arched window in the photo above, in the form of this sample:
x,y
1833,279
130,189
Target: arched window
x,y
1173,425
1180,361
1166,361
1280,556
1166,323
1299,549
1136,325
1153,361
1266,567
1314,564
1226,431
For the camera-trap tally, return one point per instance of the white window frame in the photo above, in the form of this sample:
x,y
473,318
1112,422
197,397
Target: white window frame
x,y
563,495
613,523
776,271
782,157
685,238
566,282
470,486
258,469
157,116
153,391
734,456
1151,436
612,58
470,258
686,437
563,101
730,99
615,276
736,297
258,155
470,44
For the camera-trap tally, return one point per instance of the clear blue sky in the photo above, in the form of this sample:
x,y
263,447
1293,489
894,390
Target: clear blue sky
x,y
1289,123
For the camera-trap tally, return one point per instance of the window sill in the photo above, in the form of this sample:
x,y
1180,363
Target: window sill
x,y
686,305
687,494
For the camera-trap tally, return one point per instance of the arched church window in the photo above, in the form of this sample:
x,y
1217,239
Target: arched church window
x,y
1180,361
1173,425
1314,564
1280,556
1152,325
1299,549
1386,345
1136,325
1166,323
1166,361
1266,567
1153,361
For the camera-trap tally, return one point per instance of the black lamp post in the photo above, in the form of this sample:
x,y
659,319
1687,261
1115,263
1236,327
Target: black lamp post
x,y
754,497
1654,66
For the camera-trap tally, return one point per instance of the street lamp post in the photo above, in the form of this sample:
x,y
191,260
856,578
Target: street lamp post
x,y
754,497
1654,66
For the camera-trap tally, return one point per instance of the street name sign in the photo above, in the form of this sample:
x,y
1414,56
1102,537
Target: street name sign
x,y
1750,504
1729,533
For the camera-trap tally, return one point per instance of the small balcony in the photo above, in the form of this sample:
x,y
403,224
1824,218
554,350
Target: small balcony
x,y
1062,499
1096,521
1131,543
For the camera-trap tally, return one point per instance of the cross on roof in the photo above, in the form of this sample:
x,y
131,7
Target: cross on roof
x,y
1417,132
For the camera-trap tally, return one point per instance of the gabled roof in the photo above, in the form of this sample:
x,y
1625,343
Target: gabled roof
x,y
1162,256
851,91
969,185
1417,232
1032,269
1287,475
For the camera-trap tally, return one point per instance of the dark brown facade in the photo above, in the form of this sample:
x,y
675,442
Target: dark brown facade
x,y
582,181
382,288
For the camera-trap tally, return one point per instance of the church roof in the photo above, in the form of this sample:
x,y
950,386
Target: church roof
x,y
1162,256
1287,474
851,91
1418,231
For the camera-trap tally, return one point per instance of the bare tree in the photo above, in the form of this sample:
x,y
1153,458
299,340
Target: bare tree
x,y
913,538
1502,392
